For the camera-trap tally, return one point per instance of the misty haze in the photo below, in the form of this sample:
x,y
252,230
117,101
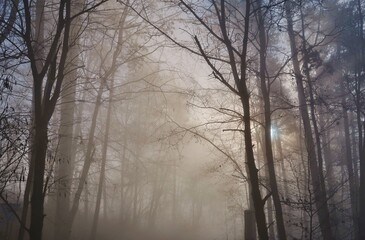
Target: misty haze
x,y
182,119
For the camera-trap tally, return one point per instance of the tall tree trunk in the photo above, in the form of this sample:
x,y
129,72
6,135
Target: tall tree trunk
x,y
64,157
317,181
38,157
349,165
358,94
241,82
253,171
306,215
354,151
174,193
105,200
267,127
46,91
122,172
103,162
39,34
361,213
89,152
87,163
322,189
361,155
238,69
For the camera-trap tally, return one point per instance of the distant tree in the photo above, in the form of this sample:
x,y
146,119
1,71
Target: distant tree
x,y
230,67
110,74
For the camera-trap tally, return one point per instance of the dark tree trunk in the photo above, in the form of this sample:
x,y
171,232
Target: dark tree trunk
x,y
253,171
317,180
38,157
267,127
349,164
238,66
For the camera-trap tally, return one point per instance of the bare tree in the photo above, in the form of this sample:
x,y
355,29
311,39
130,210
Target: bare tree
x,y
47,76
65,158
235,60
112,70
319,189
265,89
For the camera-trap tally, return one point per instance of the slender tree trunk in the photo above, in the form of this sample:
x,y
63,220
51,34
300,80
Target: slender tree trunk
x,y
64,157
253,171
361,155
284,170
122,171
354,151
154,196
174,193
26,198
267,127
327,153
85,170
87,163
258,202
349,165
238,69
359,80
105,200
362,182
282,161
317,184
103,163
87,202
135,193
323,189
